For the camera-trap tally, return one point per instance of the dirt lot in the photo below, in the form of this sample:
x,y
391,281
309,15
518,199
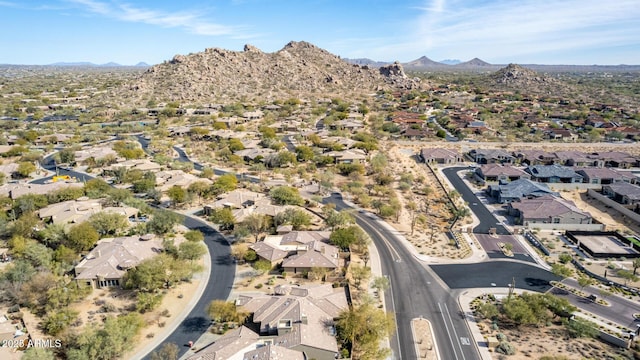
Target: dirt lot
x,y
610,217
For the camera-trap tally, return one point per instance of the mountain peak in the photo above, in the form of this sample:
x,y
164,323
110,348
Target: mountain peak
x,y
298,68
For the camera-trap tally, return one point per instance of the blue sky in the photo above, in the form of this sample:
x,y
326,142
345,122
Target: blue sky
x,y
497,31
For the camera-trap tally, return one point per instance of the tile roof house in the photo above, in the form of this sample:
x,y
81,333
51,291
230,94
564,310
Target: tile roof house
x,y
577,158
622,192
14,191
296,324
232,346
517,190
72,211
499,172
549,210
492,156
107,263
316,254
351,156
440,156
618,159
536,157
605,176
553,174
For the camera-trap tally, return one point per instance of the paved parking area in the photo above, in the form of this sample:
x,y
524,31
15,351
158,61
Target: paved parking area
x,y
490,244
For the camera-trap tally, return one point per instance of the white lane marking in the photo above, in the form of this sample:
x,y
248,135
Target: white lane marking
x,y
454,331
446,326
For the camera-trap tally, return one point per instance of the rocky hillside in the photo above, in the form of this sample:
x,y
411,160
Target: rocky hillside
x,y
518,77
298,69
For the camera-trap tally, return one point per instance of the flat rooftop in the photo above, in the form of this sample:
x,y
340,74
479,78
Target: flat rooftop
x,y
604,244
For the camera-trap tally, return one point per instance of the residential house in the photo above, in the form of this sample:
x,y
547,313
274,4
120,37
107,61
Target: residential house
x,y
295,324
136,164
561,134
440,156
351,156
267,251
254,154
517,190
169,178
547,210
553,174
96,152
605,176
577,158
492,156
14,191
244,203
622,192
351,125
536,157
72,211
107,263
315,254
618,159
499,172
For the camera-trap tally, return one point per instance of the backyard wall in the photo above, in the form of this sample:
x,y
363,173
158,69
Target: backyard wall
x,y
614,205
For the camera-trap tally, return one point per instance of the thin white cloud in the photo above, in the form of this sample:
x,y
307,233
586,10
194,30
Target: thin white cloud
x,y
191,22
504,28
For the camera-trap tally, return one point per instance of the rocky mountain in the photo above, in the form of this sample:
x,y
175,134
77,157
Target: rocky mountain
x,y
516,77
298,69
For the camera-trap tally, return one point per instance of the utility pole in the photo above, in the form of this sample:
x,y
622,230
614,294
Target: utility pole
x,y
512,286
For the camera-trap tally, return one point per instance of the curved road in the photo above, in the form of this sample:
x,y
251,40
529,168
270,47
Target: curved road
x,y
415,292
221,276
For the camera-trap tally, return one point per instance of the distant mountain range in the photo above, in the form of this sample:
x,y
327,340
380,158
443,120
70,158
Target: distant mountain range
x,y
90,64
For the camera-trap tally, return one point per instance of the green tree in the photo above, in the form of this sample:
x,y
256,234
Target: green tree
x,y
25,168
362,328
337,219
163,222
305,153
578,327
168,351
256,224
177,194
82,237
565,258
343,237
585,281
297,218
194,235
109,342
225,311
627,276
56,322
560,270
262,266
96,188
223,217
286,195
191,251
360,274
108,223
225,183
146,301
636,265
381,283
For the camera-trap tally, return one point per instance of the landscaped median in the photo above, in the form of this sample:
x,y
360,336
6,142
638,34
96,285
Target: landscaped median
x,y
425,342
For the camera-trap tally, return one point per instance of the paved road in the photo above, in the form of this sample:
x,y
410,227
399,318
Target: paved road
x,y
220,282
487,220
498,273
620,311
415,292
221,275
